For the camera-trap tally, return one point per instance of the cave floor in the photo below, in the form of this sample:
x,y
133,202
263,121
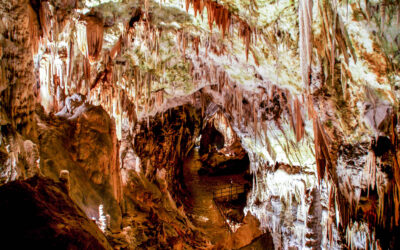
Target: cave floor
x,y
204,212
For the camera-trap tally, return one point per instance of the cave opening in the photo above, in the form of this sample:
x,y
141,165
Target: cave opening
x,y
217,178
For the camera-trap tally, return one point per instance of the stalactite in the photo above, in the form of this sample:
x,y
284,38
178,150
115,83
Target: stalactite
x,y
398,16
94,33
331,210
195,44
136,83
371,171
187,4
254,57
45,19
342,46
321,149
333,55
324,31
255,121
245,35
116,49
159,97
70,62
344,34
86,71
182,41
147,95
202,104
382,12
334,33
269,147
222,17
396,200
299,120
33,29
305,40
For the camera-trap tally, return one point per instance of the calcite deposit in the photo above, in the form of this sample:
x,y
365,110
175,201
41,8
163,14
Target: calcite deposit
x,y
200,124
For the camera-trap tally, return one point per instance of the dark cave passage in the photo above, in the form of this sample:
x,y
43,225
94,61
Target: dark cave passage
x,y
216,176
221,152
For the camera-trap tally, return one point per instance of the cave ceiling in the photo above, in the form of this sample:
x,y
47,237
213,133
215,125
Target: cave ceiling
x,y
136,58
298,81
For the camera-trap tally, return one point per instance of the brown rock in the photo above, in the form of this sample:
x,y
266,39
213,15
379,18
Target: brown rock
x,y
39,215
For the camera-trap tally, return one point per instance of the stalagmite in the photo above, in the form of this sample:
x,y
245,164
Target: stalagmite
x,y
65,179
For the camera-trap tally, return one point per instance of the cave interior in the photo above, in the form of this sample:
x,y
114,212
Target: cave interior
x,y
200,124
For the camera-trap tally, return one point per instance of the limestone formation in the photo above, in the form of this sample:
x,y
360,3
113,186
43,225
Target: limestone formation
x,y
291,106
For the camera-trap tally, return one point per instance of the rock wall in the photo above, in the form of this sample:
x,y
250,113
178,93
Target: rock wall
x,y
327,119
38,213
164,142
18,83
18,92
82,140
151,163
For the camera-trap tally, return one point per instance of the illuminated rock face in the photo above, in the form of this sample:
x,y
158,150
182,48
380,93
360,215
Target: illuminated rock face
x,y
83,141
17,72
116,92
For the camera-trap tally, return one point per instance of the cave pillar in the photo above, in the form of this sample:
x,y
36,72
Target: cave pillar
x,y
19,30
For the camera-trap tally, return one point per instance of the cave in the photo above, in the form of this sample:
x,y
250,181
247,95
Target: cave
x,y
199,124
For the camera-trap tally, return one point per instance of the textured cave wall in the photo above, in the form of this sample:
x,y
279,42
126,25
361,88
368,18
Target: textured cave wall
x,y
164,142
357,148
152,157
283,175
18,83
20,157
308,87
18,92
83,141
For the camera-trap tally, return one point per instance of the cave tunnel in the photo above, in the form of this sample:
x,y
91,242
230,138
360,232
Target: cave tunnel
x,y
217,179
199,124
